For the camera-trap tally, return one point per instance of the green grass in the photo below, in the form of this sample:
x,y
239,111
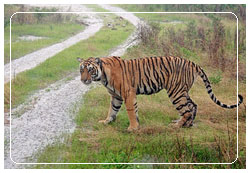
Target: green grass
x,y
212,139
53,32
155,142
65,62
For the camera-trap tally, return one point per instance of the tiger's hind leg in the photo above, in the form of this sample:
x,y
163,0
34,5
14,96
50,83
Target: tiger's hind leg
x,y
186,108
114,108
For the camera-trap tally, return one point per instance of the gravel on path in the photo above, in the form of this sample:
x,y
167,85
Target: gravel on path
x,y
35,58
48,114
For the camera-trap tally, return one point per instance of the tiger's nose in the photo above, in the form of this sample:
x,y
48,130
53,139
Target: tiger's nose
x,y
86,82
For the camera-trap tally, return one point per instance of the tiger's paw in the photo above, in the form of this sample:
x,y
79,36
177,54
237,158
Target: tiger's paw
x,y
103,121
177,125
188,124
175,121
133,129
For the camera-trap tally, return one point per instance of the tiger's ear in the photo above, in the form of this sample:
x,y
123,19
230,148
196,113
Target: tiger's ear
x,y
79,59
98,61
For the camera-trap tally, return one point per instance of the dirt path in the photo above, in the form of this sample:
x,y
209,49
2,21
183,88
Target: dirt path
x,y
33,59
49,114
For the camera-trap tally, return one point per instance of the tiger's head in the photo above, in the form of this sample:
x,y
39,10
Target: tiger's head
x,y
90,70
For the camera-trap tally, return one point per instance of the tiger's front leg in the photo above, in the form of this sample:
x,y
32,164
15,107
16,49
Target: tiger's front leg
x,y
131,106
114,108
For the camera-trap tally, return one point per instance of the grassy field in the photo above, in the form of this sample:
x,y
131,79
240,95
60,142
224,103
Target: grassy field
x,y
65,62
52,28
52,33
212,139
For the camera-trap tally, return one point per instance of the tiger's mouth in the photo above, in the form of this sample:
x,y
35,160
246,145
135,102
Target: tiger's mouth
x,y
86,82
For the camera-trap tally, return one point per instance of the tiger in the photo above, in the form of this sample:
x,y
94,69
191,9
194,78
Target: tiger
x,y
124,79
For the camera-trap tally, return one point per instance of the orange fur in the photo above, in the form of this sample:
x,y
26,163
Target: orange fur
x,y
124,79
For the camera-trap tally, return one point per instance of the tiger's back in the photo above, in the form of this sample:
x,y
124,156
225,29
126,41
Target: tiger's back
x,y
150,75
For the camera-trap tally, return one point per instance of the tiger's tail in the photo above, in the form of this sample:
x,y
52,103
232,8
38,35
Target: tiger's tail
x,y
204,77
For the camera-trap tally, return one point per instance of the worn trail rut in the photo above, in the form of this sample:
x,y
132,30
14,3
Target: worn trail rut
x,y
33,59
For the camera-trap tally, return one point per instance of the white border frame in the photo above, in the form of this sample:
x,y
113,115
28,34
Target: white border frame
x,y
131,163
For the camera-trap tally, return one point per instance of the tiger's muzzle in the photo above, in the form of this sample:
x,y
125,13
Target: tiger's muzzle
x,y
86,82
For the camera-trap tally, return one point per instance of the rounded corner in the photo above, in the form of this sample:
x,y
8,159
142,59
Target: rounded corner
x,y
12,160
235,15
235,160
13,15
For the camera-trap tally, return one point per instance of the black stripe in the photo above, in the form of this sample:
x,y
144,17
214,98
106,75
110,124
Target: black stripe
x,y
115,108
154,71
192,74
137,90
144,71
164,66
137,119
209,91
133,77
178,91
218,102
139,82
154,86
124,69
185,112
145,88
112,61
176,100
172,92
181,106
162,76
197,68
224,106
208,86
149,69
105,78
118,58
212,96
119,99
